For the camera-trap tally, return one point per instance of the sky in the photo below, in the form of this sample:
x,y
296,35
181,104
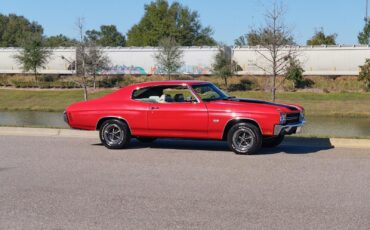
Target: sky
x,y
229,19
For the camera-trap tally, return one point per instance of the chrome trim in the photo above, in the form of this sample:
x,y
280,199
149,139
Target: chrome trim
x,y
128,125
199,100
65,117
279,128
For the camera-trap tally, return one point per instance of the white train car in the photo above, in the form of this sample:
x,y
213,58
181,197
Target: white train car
x,y
315,60
60,61
140,60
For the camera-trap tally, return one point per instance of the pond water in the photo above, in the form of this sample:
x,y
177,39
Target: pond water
x,y
316,125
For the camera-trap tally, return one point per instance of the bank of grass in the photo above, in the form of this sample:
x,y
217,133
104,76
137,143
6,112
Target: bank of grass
x,y
42,100
319,104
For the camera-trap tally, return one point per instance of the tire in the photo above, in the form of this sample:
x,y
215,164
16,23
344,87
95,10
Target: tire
x,y
146,139
114,134
271,142
251,137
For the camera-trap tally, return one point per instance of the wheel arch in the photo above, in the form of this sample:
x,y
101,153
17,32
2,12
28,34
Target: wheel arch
x,y
103,119
232,122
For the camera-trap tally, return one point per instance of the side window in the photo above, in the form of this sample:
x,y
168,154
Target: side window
x,y
178,94
164,94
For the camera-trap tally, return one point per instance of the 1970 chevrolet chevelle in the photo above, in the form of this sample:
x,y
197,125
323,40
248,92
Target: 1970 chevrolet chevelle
x,y
185,109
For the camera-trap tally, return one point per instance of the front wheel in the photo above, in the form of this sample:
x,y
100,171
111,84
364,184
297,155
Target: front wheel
x,y
271,142
244,138
114,134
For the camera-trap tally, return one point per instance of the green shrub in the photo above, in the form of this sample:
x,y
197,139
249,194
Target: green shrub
x,y
244,85
295,74
125,82
236,87
184,77
109,82
365,74
24,84
3,81
69,85
48,78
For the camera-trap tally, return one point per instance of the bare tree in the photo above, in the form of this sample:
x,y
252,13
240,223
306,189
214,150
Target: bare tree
x,y
95,60
81,55
169,57
275,44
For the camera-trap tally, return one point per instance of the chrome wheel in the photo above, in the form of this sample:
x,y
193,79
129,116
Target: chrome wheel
x,y
113,134
243,139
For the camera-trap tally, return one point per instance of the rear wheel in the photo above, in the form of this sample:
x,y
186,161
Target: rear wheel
x,y
146,139
271,142
114,134
244,138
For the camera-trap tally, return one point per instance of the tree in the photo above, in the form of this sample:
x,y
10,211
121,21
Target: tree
x,y
264,36
107,36
33,55
169,57
276,44
223,65
319,38
163,20
81,55
364,36
95,60
294,73
240,41
364,74
255,38
13,30
59,41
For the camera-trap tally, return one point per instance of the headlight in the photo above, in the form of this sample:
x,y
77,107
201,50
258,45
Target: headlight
x,y
301,115
282,118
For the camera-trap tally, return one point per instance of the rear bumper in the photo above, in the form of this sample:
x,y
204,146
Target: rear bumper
x,y
287,129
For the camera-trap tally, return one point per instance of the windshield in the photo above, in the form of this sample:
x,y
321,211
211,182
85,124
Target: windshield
x,y
209,92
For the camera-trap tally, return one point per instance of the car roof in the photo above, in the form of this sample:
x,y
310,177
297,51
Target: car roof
x,y
126,92
172,82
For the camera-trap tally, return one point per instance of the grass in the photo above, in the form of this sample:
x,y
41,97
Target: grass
x,y
42,100
349,104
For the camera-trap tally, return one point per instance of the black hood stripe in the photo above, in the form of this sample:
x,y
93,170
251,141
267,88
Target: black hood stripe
x,y
292,108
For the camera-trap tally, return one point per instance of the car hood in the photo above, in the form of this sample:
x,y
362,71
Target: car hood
x,y
257,105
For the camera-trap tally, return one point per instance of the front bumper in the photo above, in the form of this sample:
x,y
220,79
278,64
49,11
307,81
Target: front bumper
x,y
65,117
288,128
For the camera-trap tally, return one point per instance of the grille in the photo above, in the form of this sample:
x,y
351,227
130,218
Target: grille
x,y
292,118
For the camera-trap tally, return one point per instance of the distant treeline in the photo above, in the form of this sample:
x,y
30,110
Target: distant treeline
x,y
160,20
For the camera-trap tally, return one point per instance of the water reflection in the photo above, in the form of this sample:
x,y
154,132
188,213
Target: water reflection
x,y
338,126
31,118
316,125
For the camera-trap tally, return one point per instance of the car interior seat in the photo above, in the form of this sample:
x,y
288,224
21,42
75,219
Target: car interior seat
x,y
154,98
179,97
168,98
165,98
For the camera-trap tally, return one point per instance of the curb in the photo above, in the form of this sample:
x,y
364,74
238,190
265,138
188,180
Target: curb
x,y
296,141
47,132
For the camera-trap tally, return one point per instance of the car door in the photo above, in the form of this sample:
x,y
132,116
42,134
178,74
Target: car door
x,y
188,119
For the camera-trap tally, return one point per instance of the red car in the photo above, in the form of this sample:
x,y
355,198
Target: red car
x,y
185,109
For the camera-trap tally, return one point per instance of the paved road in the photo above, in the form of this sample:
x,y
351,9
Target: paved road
x,y
75,183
